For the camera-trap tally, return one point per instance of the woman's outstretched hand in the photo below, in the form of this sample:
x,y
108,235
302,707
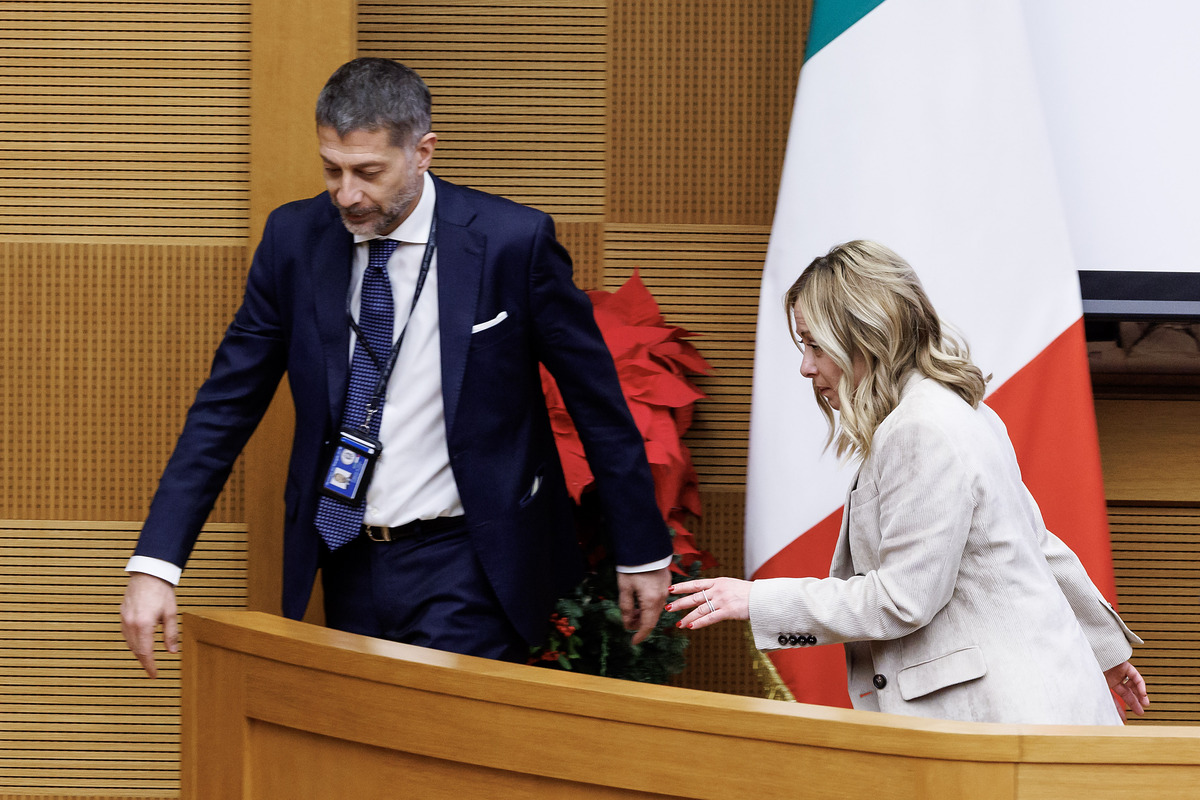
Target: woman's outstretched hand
x,y
711,600
1127,682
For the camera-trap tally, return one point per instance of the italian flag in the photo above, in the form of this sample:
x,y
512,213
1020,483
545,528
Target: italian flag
x,y
918,124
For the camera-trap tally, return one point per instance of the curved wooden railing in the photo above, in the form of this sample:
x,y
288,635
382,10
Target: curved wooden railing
x,y
279,709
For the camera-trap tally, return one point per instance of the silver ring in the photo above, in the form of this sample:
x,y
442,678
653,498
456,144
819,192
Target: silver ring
x,y
711,607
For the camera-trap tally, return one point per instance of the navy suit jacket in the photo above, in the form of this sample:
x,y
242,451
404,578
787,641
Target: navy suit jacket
x,y
493,256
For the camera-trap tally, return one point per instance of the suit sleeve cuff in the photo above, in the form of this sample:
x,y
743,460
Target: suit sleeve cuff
x,y
156,567
653,565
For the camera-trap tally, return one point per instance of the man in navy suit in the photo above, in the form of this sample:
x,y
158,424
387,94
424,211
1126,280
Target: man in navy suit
x,y
464,538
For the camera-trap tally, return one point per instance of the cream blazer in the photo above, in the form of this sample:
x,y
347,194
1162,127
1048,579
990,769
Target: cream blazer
x,y
952,598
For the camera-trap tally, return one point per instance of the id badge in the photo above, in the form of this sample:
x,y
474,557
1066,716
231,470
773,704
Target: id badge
x,y
350,471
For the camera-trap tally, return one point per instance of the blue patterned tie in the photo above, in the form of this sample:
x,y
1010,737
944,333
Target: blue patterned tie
x,y
339,522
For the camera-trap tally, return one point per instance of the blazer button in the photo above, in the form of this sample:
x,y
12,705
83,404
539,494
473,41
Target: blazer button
x,y
783,640
812,639
793,640
879,681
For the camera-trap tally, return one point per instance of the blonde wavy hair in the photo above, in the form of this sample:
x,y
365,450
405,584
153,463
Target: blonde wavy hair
x,y
863,300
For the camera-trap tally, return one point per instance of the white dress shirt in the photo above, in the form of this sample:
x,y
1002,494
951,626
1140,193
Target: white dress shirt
x,y
412,478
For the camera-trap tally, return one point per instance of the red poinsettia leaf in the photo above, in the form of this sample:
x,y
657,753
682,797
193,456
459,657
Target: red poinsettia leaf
x,y
577,473
661,431
657,454
643,415
683,355
667,485
685,545
653,360
689,497
683,419
652,338
637,305
625,346
656,387
550,389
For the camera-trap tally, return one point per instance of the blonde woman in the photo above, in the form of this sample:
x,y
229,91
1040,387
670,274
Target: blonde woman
x,y
952,598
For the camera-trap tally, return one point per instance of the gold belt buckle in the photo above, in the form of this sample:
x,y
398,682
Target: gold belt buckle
x,y
378,533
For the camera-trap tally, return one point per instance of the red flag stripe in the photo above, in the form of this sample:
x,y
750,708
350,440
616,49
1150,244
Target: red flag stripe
x,y
1051,419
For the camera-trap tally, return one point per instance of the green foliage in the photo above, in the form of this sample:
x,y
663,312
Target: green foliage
x,y
587,634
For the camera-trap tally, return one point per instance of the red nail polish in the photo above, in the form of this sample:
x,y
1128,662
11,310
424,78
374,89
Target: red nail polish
x,y
667,607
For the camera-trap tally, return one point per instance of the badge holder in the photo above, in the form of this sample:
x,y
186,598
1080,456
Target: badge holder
x,y
350,471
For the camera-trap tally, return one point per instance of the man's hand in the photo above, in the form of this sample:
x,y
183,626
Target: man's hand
x,y
149,602
641,599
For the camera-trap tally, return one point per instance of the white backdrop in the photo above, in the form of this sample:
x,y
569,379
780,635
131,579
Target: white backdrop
x,y
1120,85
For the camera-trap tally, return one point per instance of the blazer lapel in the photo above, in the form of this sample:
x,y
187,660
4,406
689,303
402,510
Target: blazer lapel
x,y
331,260
842,564
460,262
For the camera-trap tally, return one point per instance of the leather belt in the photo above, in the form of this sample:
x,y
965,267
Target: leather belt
x,y
418,527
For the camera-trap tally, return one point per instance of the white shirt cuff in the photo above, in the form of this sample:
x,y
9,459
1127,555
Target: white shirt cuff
x,y
653,565
156,567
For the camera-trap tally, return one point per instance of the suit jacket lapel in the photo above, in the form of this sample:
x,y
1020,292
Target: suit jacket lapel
x,y
842,564
331,261
460,260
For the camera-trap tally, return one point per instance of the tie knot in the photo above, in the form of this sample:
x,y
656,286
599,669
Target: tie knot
x,y
380,251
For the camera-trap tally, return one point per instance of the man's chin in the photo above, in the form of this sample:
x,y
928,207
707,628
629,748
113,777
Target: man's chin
x,y
360,226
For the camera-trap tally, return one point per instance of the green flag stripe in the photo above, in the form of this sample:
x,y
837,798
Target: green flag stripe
x,y
831,18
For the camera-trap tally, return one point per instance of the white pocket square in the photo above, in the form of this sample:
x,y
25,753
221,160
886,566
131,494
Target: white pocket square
x,y
491,323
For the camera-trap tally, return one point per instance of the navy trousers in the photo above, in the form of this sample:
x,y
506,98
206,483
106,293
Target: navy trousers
x,y
424,590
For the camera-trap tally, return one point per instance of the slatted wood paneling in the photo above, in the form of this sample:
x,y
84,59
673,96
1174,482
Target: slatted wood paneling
x,y
705,279
123,120
701,96
721,658
518,88
1156,557
78,712
585,242
102,347
124,195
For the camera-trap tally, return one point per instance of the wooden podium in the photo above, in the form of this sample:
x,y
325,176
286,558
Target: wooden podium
x,y
279,709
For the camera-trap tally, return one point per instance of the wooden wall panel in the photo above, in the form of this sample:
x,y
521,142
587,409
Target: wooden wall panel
x,y
1156,559
102,347
76,711
518,89
301,43
705,279
585,242
1150,449
124,159
701,96
721,658
124,120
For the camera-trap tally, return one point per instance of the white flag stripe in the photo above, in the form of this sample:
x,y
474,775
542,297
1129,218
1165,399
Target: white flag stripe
x,y
920,127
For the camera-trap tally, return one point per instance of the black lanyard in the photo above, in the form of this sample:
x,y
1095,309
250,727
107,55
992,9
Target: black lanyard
x,y
386,373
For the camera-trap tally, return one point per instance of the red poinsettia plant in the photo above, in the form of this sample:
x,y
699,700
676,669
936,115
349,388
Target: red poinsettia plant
x,y
653,360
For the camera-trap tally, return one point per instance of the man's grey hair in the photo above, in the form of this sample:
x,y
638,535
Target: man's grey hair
x,y
370,94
